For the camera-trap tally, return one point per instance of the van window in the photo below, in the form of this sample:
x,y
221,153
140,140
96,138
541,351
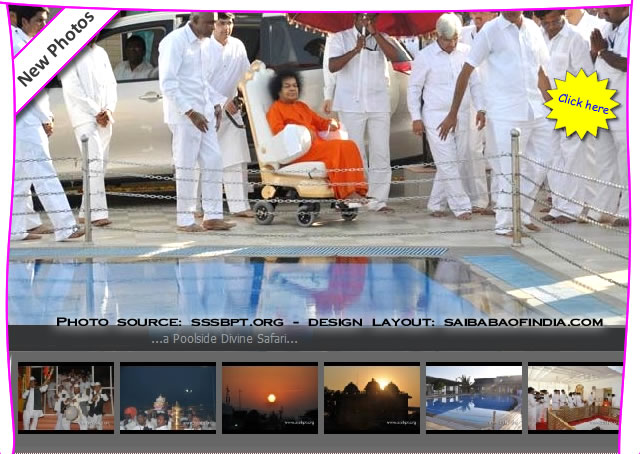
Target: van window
x,y
292,46
138,45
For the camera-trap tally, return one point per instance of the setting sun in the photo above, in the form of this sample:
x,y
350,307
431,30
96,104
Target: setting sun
x,y
271,398
382,382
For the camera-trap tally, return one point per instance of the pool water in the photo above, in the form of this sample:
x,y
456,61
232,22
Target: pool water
x,y
255,287
476,410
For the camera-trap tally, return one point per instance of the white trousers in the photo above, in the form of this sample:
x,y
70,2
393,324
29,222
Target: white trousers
x,y
98,146
531,420
568,155
493,163
30,419
193,152
447,185
235,155
611,155
372,128
236,187
95,422
535,139
59,422
48,188
474,169
80,420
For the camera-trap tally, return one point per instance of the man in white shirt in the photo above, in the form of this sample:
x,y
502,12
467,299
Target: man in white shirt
x,y
329,78
140,423
162,422
193,111
569,52
229,71
33,164
584,22
61,396
96,406
90,95
516,56
359,56
135,66
555,400
611,144
432,80
74,400
478,144
33,404
532,408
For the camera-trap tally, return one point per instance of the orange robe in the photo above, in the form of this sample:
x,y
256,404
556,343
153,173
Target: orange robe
x,y
336,154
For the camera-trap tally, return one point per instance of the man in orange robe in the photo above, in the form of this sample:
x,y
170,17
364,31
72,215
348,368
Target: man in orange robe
x,y
336,154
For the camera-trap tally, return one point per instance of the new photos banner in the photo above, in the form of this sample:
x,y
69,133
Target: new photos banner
x,y
51,49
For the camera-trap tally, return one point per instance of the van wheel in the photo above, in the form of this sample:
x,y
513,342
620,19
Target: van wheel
x,y
306,215
265,212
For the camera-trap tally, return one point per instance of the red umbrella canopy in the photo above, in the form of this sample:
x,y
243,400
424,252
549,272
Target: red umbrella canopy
x,y
394,24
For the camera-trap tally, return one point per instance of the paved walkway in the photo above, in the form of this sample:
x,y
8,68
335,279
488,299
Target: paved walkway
x,y
560,250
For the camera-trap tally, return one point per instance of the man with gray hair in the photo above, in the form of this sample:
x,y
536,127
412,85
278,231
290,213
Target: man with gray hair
x,y
432,80
515,52
192,110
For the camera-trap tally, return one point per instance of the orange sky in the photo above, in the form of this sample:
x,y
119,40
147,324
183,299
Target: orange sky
x,y
295,387
406,377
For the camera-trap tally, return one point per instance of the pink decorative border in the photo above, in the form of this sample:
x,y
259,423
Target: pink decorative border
x,y
283,11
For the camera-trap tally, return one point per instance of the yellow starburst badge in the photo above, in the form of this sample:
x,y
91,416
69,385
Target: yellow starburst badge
x,y
581,104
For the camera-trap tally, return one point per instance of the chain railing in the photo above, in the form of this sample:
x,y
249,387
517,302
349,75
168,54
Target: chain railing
x,y
511,182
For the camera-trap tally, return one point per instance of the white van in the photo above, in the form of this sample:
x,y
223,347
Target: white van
x,y
141,142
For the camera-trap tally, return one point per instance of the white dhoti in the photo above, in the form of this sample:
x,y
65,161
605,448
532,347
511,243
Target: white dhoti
x,y
95,422
375,126
59,422
611,154
535,139
193,152
98,147
568,155
531,420
473,169
38,170
30,419
81,420
235,156
448,187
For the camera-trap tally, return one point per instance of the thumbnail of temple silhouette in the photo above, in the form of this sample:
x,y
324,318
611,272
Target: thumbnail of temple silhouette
x,y
373,410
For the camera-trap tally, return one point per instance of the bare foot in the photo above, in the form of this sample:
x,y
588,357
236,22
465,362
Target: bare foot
x,y
439,214
244,214
464,216
477,210
386,210
507,234
193,228
488,212
562,219
533,227
77,234
217,224
545,210
548,218
31,236
101,222
41,230
621,222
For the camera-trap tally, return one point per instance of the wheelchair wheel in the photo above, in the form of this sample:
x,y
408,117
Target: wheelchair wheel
x,y
306,214
265,212
349,214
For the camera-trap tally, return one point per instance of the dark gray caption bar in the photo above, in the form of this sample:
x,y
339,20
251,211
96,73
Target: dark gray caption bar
x,y
51,338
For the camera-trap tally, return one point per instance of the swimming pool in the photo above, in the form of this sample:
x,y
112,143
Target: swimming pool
x,y
292,288
475,410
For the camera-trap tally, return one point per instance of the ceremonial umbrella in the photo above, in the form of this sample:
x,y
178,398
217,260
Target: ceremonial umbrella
x,y
393,24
